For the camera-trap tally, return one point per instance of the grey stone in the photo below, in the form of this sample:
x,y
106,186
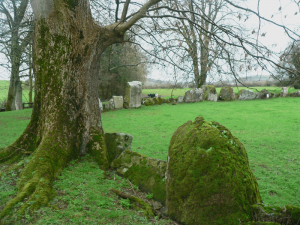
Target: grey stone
x,y
164,211
264,94
111,104
227,94
212,97
157,205
116,143
145,172
133,94
118,101
180,99
210,93
284,92
106,106
246,94
295,94
194,95
100,105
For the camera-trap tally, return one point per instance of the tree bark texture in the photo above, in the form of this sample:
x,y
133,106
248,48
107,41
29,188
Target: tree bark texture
x,y
19,102
17,48
66,120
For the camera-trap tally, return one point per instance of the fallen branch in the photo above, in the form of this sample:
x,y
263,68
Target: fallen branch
x,y
148,212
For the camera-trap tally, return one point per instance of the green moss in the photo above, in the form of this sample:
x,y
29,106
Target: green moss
x,y
144,172
111,145
261,223
209,170
71,4
288,214
227,94
208,89
97,148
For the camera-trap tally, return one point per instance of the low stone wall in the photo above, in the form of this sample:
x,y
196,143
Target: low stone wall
x,y
208,93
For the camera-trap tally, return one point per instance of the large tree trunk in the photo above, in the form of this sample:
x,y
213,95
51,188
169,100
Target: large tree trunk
x,y
66,120
15,69
30,76
19,102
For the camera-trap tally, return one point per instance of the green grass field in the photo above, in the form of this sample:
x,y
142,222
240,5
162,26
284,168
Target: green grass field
x,y
269,129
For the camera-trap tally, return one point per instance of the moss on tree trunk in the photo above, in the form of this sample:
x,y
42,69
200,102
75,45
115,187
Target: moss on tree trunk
x,y
66,120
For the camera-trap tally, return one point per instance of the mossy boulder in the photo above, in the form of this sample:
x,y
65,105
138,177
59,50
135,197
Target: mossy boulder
x,y
149,101
287,215
209,93
295,94
264,94
208,179
227,94
147,173
193,95
116,143
157,101
246,94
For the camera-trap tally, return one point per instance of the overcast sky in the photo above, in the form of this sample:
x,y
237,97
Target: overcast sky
x,y
275,38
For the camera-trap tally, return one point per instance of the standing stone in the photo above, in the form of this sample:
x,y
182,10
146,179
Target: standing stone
x,y
100,105
246,94
145,172
106,106
227,94
111,104
264,94
208,178
180,99
296,94
194,95
210,93
156,95
116,143
284,92
118,102
133,95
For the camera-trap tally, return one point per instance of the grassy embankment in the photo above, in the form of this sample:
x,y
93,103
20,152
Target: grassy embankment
x,y
269,129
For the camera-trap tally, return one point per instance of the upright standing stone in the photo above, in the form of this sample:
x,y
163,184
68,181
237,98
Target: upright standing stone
x,y
210,93
227,94
180,99
111,104
246,94
194,95
296,94
133,95
118,101
100,105
208,178
116,143
264,94
284,92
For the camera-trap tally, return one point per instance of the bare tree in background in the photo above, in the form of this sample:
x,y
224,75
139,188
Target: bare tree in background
x,y
66,119
15,35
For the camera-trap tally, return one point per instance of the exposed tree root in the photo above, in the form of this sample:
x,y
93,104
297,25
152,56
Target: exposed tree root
x,y
24,145
147,209
44,165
